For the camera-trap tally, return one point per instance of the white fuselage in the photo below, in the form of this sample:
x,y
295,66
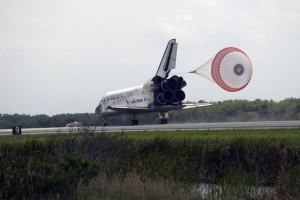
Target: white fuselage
x,y
138,96
160,94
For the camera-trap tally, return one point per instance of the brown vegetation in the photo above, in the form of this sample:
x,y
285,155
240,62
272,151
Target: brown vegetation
x,y
72,165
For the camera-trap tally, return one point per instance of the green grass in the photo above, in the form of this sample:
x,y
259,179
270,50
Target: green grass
x,y
290,134
55,164
22,138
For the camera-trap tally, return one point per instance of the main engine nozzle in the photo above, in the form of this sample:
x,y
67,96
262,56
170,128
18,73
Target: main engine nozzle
x,y
179,96
161,99
165,96
168,91
170,84
180,82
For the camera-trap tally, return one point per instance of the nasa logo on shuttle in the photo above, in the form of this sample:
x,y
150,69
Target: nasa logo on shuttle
x,y
137,101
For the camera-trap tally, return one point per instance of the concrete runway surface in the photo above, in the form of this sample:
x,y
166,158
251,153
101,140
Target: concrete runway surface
x,y
164,127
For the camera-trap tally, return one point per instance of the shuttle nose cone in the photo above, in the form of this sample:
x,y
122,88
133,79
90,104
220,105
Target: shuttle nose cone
x,y
98,110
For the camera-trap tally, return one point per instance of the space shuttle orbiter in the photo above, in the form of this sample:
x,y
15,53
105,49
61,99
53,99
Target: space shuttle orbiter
x,y
230,68
159,94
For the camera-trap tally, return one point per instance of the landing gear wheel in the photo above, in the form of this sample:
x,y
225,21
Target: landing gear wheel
x,y
164,116
135,122
163,121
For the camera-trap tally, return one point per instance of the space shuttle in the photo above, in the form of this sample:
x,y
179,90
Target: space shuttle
x,y
161,93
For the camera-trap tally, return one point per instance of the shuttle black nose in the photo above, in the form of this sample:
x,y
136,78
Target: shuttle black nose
x,y
98,110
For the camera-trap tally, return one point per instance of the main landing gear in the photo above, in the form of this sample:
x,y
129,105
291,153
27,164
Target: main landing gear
x,y
163,117
134,121
104,123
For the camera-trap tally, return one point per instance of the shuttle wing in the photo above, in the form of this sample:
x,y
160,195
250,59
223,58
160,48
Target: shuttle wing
x,y
195,105
165,108
127,108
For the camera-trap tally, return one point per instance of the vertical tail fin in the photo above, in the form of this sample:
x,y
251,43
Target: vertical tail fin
x,y
168,61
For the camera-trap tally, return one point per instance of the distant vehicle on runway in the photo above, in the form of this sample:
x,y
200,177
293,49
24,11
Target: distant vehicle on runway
x,y
231,69
75,127
74,124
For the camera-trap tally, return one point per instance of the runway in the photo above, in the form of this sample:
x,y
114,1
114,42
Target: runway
x,y
164,127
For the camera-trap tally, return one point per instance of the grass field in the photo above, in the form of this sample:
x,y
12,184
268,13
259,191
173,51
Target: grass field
x,y
151,164
289,134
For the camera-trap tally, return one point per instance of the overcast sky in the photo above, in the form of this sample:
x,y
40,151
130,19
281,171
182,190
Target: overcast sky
x,y
62,56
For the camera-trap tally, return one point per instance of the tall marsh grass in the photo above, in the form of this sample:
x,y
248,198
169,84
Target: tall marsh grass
x,y
72,165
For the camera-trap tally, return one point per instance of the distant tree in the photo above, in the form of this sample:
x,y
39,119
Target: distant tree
x,y
228,110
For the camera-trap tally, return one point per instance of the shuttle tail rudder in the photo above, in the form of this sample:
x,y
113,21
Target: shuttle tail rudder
x,y
168,61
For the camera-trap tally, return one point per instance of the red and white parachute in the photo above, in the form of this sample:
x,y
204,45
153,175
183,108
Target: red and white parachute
x,y
231,69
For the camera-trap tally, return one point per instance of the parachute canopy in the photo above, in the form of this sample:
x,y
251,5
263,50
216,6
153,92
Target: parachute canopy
x,y
231,69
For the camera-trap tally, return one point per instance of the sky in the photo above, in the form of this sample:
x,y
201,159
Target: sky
x,y
61,56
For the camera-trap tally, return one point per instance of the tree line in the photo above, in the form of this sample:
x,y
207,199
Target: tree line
x,y
220,111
